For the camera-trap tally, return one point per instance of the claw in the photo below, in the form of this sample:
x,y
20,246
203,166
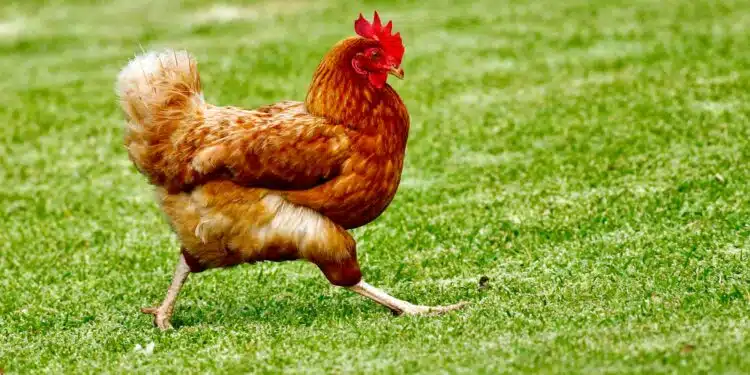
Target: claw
x,y
161,318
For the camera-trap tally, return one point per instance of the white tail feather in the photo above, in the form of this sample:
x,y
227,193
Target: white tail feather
x,y
152,78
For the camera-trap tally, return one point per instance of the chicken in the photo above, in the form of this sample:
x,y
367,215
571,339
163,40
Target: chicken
x,y
281,182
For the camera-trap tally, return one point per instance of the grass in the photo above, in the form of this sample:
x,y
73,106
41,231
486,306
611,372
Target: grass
x,y
589,158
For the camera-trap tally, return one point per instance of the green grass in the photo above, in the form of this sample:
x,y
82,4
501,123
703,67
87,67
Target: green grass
x,y
589,158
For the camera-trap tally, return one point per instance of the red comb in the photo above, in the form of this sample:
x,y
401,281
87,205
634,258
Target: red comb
x,y
391,43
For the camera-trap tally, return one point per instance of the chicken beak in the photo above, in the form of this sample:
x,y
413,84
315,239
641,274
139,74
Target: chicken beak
x,y
397,72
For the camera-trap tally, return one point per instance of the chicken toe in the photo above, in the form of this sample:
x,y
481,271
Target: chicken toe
x,y
430,310
162,318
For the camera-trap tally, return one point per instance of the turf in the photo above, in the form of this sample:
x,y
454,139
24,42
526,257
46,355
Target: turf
x,y
588,158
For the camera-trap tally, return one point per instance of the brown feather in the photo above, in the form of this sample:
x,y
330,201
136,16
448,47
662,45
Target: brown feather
x,y
279,182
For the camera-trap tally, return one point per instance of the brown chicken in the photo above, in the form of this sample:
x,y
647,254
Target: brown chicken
x,y
281,182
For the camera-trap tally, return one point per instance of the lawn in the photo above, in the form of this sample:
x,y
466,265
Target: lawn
x,y
586,159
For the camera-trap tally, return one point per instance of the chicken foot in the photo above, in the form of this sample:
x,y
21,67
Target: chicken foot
x,y
163,313
397,306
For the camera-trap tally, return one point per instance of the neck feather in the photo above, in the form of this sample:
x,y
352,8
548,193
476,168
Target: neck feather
x,y
345,97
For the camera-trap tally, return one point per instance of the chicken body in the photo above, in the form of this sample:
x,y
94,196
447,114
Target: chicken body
x,y
281,182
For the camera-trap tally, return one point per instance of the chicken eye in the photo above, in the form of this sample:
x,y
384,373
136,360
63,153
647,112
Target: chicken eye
x,y
375,55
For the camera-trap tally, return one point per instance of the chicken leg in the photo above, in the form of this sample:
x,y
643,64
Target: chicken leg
x,y
397,306
163,313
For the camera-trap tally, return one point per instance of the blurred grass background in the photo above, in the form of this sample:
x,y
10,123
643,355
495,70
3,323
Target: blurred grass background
x,y
588,157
